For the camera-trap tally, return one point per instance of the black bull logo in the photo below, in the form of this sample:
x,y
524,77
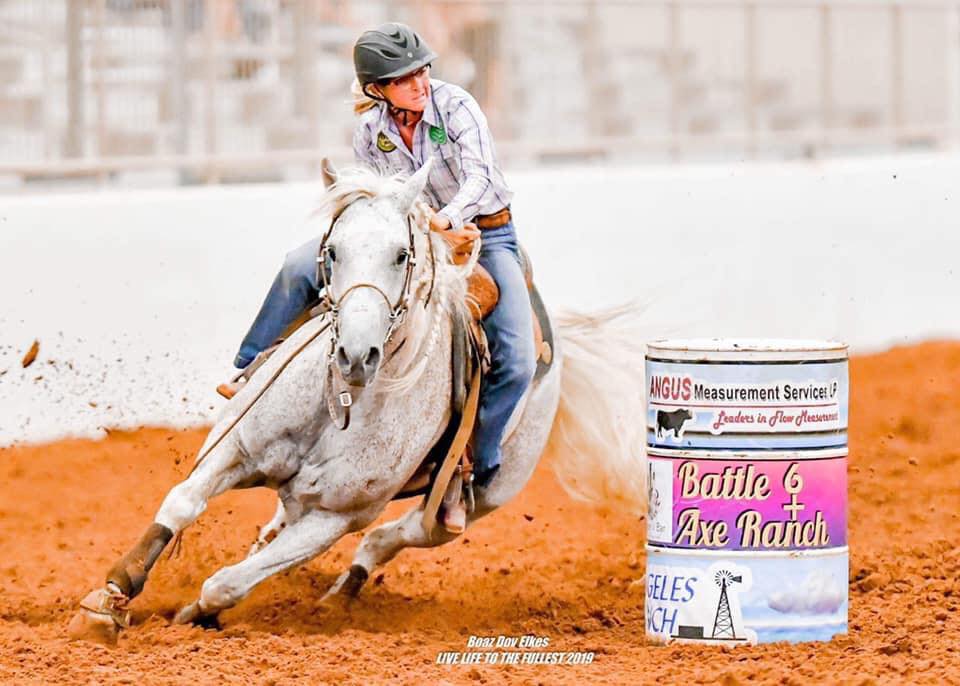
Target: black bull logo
x,y
672,421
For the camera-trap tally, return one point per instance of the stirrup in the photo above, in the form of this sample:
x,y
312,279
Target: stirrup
x,y
453,505
231,388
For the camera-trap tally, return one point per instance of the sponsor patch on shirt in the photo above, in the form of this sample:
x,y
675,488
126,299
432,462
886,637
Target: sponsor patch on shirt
x,y
385,144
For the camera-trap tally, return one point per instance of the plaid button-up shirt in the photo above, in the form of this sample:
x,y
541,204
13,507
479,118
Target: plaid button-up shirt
x,y
465,179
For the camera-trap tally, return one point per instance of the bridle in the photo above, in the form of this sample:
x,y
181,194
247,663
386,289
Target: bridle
x,y
333,304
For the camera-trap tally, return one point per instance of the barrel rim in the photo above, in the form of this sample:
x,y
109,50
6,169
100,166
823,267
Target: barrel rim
x,y
719,554
736,349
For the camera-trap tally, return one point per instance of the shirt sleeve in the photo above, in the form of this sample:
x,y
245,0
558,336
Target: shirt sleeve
x,y
362,146
468,129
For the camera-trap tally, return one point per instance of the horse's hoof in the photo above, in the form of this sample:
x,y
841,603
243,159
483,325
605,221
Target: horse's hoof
x,y
208,621
187,613
347,587
100,618
194,614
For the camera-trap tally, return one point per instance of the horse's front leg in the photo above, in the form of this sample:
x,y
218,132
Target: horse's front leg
x,y
103,611
298,542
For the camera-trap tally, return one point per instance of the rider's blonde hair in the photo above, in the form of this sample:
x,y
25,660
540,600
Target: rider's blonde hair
x,y
361,101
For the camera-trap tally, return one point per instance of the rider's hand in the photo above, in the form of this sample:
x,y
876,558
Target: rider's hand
x,y
439,222
467,234
461,241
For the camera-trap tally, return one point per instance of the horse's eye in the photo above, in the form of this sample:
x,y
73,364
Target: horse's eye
x,y
403,256
332,254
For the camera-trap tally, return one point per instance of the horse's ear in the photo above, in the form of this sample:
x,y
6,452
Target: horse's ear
x,y
328,172
413,187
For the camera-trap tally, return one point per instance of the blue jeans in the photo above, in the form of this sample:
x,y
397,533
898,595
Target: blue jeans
x,y
293,289
509,330
513,358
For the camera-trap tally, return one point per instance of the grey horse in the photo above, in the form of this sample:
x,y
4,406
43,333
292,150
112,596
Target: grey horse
x,y
392,336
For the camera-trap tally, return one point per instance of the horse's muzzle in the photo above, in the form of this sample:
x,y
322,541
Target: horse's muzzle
x,y
358,370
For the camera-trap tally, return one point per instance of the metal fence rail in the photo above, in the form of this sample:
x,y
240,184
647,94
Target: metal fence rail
x,y
214,90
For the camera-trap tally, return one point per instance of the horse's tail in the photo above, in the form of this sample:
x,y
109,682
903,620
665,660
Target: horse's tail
x,y
597,442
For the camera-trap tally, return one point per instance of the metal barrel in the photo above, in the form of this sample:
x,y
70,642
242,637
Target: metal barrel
x,y
747,479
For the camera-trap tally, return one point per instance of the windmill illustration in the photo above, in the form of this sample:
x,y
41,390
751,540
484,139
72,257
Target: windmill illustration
x,y
723,629
723,621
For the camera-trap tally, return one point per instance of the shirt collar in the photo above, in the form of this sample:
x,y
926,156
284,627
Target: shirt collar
x,y
385,124
430,114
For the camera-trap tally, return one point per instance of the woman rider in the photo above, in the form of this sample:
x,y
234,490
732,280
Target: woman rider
x,y
404,118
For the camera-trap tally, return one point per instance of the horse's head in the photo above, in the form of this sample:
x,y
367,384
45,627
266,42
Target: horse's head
x,y
369,252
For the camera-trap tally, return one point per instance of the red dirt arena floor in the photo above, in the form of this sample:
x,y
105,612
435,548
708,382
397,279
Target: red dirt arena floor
x,y
544,566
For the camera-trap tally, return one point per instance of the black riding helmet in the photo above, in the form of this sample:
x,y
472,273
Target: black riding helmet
x,y
389,52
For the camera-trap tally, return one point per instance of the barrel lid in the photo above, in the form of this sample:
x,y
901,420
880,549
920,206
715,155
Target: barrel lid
x,y
746,349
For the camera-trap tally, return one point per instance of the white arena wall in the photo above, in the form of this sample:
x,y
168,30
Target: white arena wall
x,y
140,298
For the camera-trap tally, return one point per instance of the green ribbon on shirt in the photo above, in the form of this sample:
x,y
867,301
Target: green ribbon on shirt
x,y
438,135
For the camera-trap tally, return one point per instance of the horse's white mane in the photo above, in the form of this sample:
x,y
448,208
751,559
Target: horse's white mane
x,y
423,326
355,183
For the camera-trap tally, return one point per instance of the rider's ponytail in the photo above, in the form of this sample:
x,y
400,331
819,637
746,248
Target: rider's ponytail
x,y
361,101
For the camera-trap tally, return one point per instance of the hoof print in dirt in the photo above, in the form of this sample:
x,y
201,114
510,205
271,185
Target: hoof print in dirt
x,y
96,628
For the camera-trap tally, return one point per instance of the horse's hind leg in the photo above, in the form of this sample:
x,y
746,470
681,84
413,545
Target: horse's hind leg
x,y
301,540
521,454
102,611
381,545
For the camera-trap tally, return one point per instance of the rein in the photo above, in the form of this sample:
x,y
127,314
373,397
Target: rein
x,y
273,377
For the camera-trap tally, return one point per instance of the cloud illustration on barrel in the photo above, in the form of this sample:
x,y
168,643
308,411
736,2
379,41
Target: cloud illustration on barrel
x,y
818,593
